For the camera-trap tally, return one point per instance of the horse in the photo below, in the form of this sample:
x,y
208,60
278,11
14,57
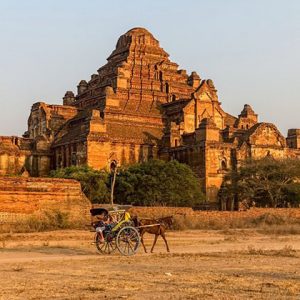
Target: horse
x,y
154,226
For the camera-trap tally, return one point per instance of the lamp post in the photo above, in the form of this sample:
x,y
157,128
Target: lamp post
x,y
113,169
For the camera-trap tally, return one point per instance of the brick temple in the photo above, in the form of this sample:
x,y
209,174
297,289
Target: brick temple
x,y
140,106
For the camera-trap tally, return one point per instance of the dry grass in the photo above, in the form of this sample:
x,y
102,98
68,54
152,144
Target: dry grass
x,y
280,221
286,251
50,220
270,221
18,268
284,229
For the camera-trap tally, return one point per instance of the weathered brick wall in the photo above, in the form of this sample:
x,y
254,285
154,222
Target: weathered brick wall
x,y
26,196
14,152
229,217
156,212
207,216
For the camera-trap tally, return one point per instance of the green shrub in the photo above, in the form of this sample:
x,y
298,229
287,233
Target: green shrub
x,y
154,182
94,183
158,182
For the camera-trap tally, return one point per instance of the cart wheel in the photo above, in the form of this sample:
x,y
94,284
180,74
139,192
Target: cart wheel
x,y
128,240
107,247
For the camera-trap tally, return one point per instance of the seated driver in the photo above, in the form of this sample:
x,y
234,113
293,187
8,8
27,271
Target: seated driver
x,y
102,222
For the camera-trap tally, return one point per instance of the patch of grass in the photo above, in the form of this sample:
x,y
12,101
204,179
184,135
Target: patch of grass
x,y
46,244
48,220
18,268
288,229
268,223
3,239
94,289
230,239
269,219
286,251
254,251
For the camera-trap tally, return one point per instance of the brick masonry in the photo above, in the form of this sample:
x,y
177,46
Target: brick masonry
x,y
139,106
21,197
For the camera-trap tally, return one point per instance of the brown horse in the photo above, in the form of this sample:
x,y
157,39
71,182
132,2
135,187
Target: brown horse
x,y
154,226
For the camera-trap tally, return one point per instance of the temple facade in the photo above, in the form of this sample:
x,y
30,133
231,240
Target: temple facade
x,y
140,106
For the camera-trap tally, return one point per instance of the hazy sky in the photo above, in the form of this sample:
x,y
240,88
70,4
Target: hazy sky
x,y
251,50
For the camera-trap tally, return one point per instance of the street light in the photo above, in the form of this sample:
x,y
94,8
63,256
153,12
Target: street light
x,y
113,170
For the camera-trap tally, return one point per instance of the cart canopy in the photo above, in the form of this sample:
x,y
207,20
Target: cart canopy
x,y
99,211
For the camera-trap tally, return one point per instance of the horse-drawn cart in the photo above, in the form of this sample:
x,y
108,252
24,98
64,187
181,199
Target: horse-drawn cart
x,y
119,234
125,233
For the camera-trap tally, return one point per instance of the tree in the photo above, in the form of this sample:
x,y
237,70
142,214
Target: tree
x,y
266,181
158,182
292,192
94,183
151,183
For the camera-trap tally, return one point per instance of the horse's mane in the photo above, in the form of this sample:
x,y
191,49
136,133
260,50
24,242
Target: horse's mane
x,y
168,220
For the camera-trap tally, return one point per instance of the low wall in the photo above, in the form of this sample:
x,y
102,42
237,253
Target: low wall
x,y
252,216
156,212
21,197
186,218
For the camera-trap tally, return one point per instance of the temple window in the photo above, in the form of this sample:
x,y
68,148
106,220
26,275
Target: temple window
x,y
160,75
150,152
156,73
223,165
167,88
132,153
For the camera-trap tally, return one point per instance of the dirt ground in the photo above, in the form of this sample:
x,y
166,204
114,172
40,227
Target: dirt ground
x,y
234,264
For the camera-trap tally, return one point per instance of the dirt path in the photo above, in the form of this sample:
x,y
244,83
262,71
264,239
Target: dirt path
x,y
202,265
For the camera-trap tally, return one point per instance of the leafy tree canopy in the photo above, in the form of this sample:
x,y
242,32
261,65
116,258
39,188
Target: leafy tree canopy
x,y
94,183
158,182
266,181
154,182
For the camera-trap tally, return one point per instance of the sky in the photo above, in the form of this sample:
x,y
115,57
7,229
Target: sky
x,y
250,49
